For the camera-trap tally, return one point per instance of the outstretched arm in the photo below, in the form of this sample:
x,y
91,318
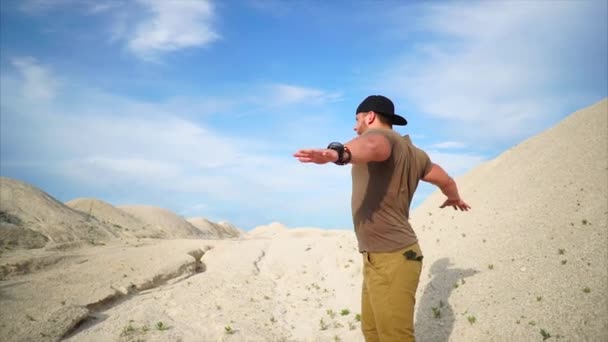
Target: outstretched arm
x,y
438,177
363,149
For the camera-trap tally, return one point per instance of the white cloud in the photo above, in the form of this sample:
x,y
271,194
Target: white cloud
x,y
149,28
500,71
287,94
449,145
173,25
37,81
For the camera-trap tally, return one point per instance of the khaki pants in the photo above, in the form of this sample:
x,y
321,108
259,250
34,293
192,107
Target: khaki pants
x,y
390,281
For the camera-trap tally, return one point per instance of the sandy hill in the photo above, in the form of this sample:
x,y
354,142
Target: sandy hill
x,y
127,224
31,218
271,230
220,230
166,223
532,253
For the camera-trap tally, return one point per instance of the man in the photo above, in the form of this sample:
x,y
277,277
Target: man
x,y
386,170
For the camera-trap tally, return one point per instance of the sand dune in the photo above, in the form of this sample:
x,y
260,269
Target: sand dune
x,y
129,225
534,241
167,224
530,259
31,218
220,230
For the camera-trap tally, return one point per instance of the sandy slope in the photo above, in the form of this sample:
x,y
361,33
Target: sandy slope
x,y
31,218
129,225
539,221
220,230
167,224
264,289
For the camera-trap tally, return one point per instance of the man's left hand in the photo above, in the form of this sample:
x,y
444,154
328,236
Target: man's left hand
x,y
317,156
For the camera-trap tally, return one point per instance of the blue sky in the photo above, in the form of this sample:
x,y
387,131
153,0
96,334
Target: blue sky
x,y
198,106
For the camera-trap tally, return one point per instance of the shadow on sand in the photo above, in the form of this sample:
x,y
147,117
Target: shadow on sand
x,y
434,315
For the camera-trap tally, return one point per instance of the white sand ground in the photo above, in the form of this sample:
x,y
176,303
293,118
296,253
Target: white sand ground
x,y
531,255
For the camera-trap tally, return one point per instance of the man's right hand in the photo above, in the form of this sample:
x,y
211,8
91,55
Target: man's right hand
x,y
456,204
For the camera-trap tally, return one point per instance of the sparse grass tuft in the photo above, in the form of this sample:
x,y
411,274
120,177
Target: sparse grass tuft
x,y
491,266
561,251
472,319
545,334
228,330
586,290
128,329
331,313
436,312
539,298
323,325
161,326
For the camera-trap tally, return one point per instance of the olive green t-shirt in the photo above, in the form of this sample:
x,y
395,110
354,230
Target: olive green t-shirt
x,y
382,192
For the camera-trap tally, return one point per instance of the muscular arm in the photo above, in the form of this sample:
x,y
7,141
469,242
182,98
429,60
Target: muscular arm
x,y
371,147
438,177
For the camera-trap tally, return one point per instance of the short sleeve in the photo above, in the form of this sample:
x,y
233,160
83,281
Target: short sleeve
x,y
388,134
423,161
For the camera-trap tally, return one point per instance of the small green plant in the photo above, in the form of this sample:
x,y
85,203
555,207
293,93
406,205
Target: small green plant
x,y
456,285
544,334
331,313
161,326
586,290
491,266
344,312
585,221
337,338
436,312
564,261
323,325
561,251
358,317
272,319
228,330
472,319
127,329
145,328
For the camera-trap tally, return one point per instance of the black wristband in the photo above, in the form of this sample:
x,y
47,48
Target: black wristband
x,y
338,147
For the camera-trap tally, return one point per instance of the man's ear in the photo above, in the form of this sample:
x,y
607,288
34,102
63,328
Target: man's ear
x,y
370,117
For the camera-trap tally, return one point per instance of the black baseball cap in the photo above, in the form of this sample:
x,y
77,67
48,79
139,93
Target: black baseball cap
x,y
383,106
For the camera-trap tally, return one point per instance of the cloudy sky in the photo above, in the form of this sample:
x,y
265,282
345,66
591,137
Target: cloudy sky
x,y
197,106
